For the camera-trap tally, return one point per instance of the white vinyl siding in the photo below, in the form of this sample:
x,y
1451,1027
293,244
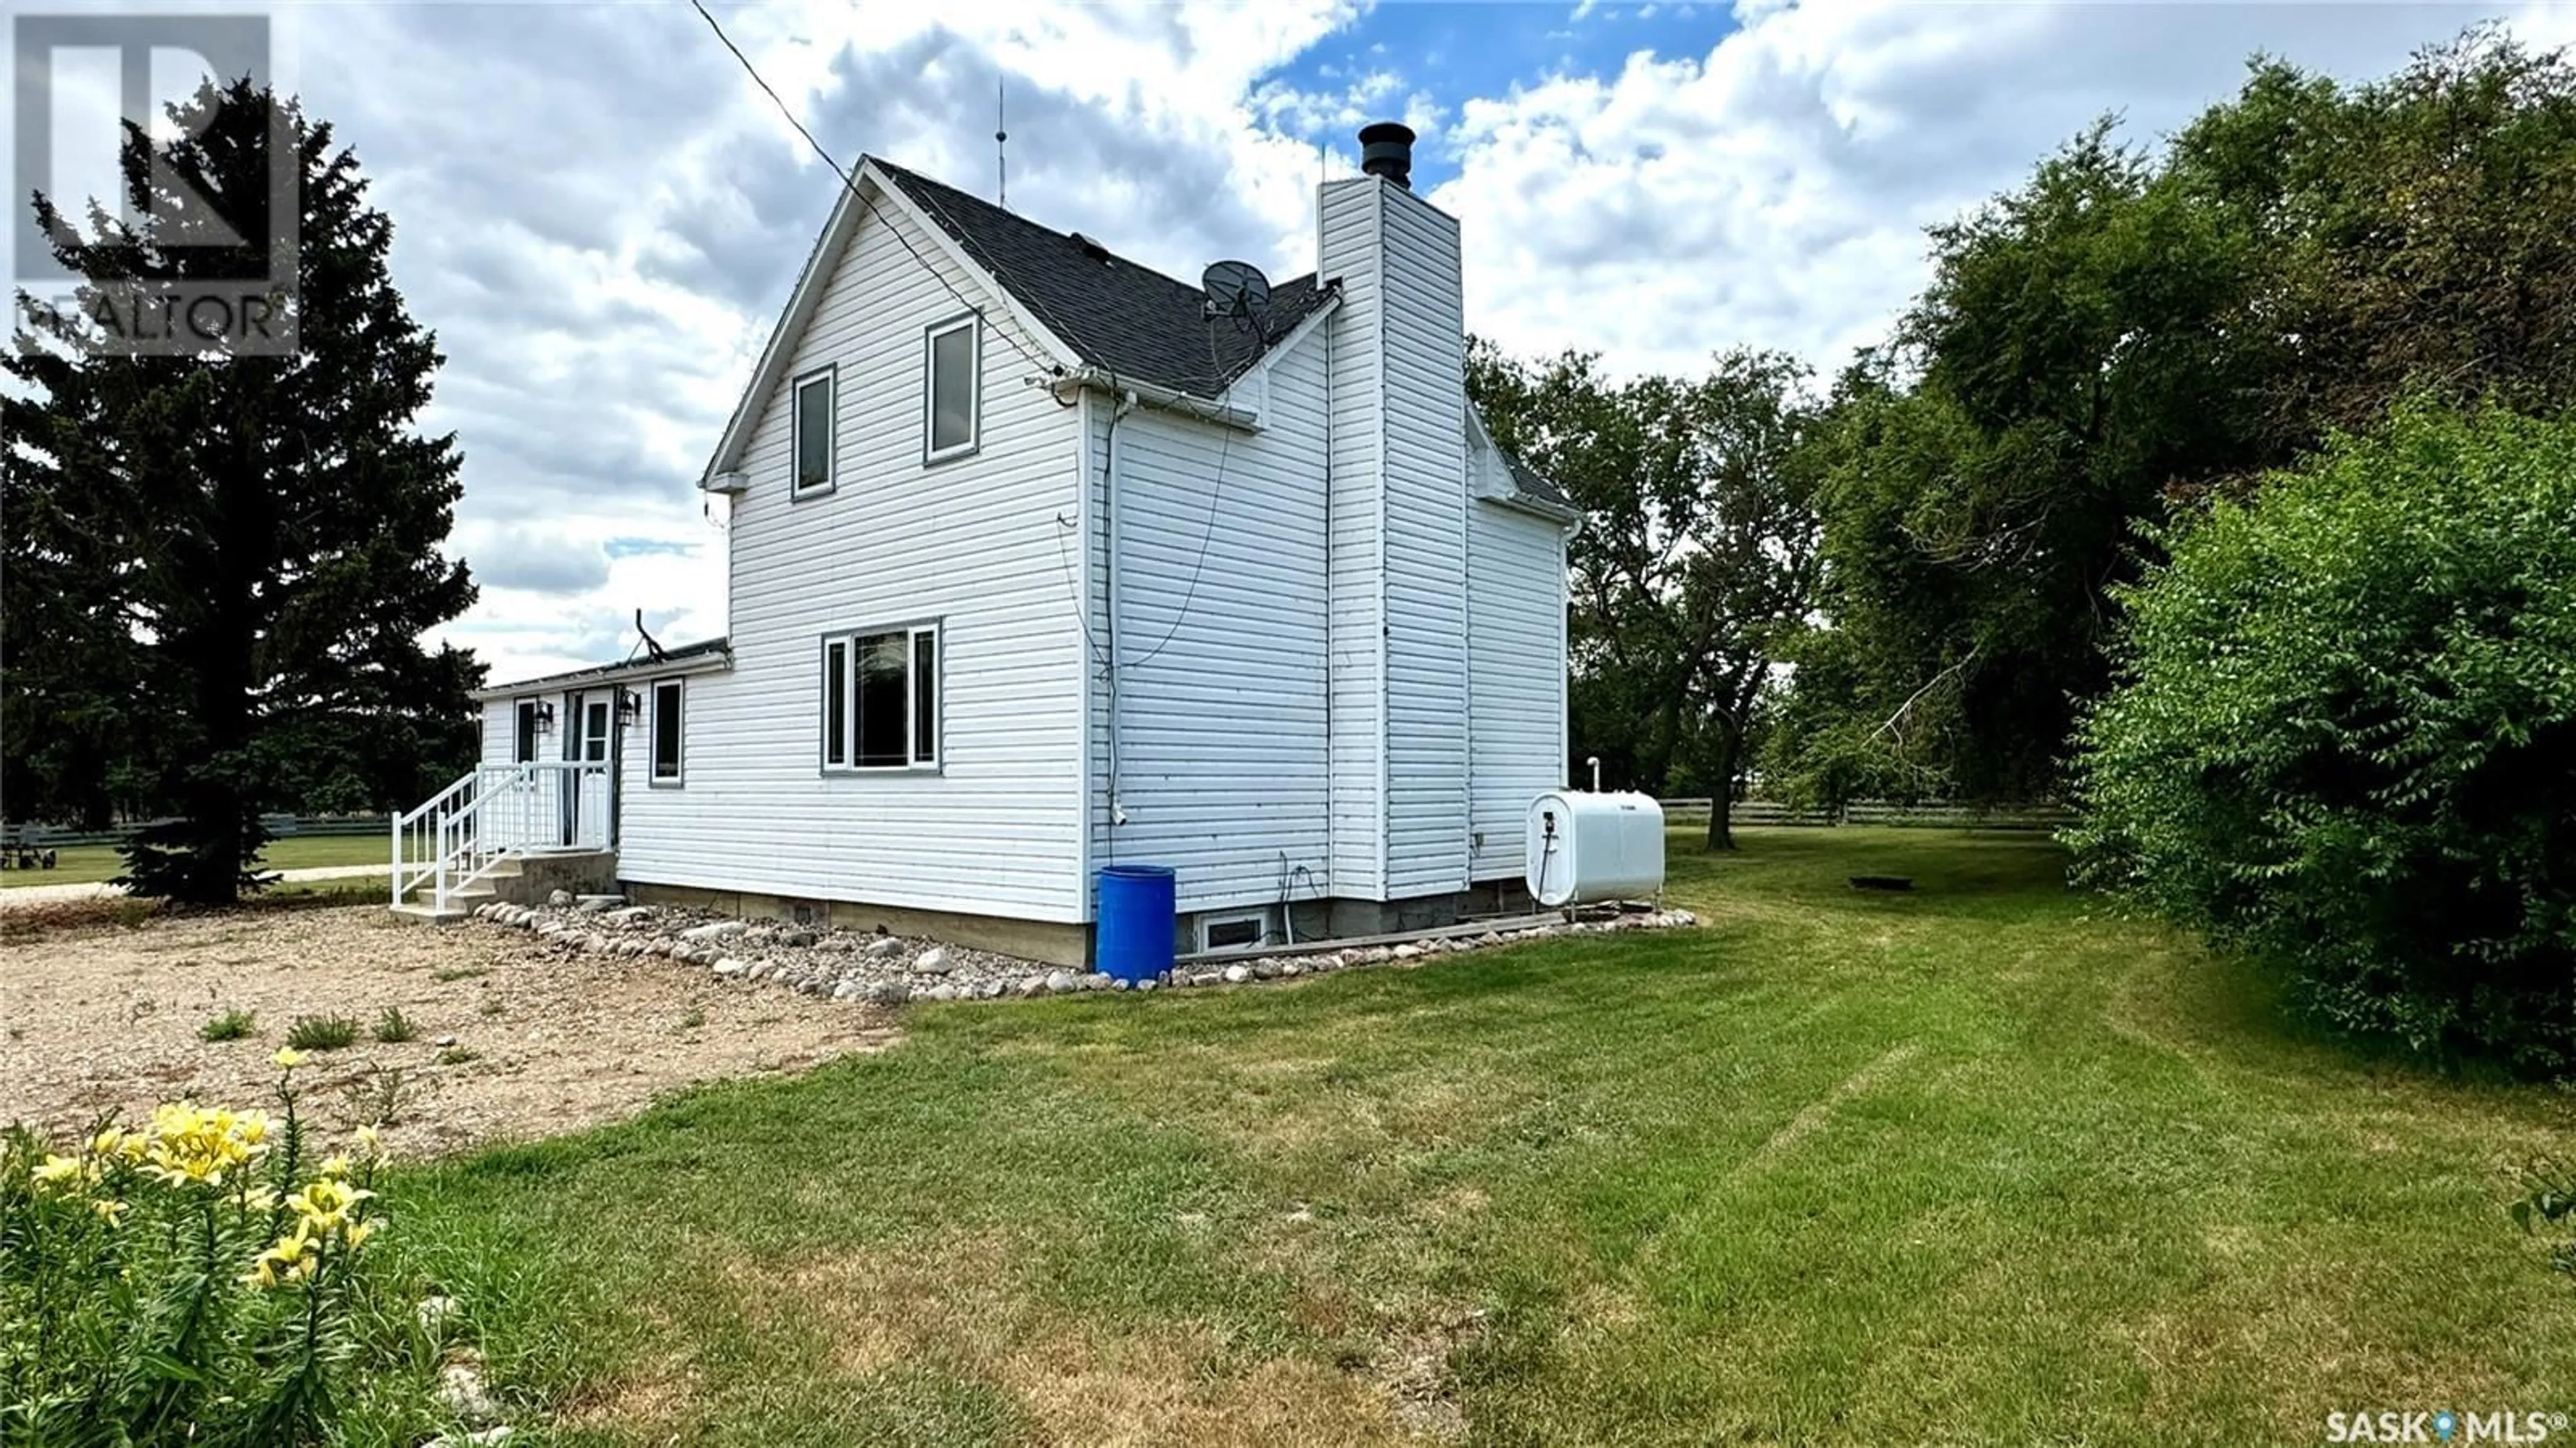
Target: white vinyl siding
x,y
1222,633
973,542
1426,551
1346,240
1516,676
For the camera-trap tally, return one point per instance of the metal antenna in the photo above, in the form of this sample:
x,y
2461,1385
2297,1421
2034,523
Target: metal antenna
x,y
1001,158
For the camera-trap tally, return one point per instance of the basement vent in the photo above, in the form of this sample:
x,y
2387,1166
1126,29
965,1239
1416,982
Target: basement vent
x,y
801,912
1234,932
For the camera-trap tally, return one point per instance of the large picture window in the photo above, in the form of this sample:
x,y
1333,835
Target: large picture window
x,y
951,365
880,699
811,429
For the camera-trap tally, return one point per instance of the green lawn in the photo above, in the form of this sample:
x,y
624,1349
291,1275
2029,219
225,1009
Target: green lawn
x,y
84,863
1976,1164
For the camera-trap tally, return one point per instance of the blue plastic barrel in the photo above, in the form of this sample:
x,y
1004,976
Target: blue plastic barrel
x,y
1136,922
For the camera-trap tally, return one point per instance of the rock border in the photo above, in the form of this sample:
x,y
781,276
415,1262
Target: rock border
x,y
890,970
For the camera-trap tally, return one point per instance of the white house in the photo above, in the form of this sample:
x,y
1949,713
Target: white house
x,y
1041,560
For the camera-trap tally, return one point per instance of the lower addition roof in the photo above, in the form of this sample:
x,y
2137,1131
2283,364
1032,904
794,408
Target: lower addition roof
x,y
705,656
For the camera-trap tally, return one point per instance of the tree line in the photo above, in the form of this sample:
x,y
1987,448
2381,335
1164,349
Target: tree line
x,y
2216,488
215,569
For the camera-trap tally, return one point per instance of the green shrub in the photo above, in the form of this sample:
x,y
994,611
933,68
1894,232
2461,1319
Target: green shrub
x,y
393,1027
2342,733
230,1026
322,1033
199,1280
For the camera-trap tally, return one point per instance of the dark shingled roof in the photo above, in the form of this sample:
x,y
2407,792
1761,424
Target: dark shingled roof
x,y
1119,316
1533,484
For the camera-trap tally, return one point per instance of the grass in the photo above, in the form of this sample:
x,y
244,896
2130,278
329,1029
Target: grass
x,y
82,864
393,1027
322,1033
232,1025
1972,1164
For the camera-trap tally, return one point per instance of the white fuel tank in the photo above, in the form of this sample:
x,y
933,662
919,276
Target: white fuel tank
x,y
1590,847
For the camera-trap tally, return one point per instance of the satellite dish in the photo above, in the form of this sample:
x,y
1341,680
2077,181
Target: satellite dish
x,y
1237,289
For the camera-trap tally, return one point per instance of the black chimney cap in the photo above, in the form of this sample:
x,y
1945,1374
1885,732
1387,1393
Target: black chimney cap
x,y
1386,149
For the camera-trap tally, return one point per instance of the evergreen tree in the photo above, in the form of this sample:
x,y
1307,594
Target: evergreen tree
x,y
220,565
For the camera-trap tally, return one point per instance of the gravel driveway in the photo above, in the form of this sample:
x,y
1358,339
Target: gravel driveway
x,y
545,1039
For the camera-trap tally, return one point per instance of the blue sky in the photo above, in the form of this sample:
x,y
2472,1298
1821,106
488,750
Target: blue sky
x,y
1451,52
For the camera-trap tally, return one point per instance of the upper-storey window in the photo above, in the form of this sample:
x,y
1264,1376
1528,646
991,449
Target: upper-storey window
x,y
951,364
811,426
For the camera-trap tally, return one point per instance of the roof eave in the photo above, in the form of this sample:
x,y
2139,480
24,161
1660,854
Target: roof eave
x,y
716,660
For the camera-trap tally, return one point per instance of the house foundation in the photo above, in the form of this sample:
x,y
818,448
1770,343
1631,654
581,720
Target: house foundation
x,y
1047,942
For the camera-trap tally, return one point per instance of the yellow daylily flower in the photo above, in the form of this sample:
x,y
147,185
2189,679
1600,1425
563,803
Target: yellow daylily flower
x,y
57,1169
368,1143
288,1058
335,1166
110,1212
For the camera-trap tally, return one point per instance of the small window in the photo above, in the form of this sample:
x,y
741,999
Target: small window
x,y
594,732
836,704
1233,932
666,731
881,699
951,403
526,751
812,442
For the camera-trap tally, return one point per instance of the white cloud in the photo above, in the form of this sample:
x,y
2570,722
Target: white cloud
x,y
1773,190
600,216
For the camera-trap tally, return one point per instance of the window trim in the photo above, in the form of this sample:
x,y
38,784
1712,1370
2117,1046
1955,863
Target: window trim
x,y
829,374
847,641
654,778
972,323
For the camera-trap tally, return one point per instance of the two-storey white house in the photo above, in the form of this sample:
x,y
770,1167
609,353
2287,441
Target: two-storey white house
x,y
1041,561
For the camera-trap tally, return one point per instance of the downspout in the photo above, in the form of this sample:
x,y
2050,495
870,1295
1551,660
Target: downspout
x,y
1114,566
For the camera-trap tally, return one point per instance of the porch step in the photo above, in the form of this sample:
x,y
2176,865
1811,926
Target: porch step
x,y
424,910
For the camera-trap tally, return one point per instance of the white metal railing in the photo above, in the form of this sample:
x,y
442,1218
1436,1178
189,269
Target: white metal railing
x,y
497,812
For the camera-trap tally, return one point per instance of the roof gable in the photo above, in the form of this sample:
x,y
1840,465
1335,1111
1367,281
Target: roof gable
x,y
1082,304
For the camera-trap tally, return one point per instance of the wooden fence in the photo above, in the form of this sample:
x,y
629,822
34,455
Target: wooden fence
x,y
1932,814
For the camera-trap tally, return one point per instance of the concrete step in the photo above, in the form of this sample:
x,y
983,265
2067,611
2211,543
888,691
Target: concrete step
x,y
423,910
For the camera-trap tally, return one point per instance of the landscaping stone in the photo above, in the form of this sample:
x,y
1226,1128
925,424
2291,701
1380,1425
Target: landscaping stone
x,y
462,1391
632,915
1237,974
1406,952
797,939
1035,985
713,930
889,992
561,899
1061,982
933,961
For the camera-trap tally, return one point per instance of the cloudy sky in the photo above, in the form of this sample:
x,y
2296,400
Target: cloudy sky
x,y
601,215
